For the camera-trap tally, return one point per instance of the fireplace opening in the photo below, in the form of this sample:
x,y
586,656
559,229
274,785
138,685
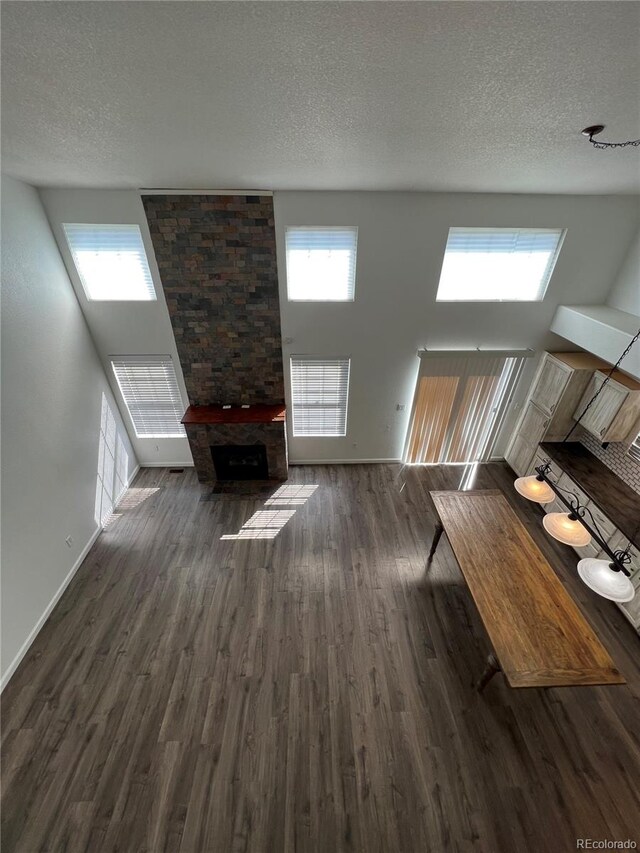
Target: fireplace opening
x,y
240,461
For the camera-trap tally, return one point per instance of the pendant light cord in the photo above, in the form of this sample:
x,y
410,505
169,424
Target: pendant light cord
x,y
601,388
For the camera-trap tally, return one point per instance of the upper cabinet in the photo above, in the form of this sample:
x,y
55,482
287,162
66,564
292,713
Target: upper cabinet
x,y
546,416
614,415
549,384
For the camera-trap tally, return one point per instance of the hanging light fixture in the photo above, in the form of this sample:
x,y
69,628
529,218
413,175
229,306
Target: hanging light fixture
x,y
567,528
606,579
535,489
610,577
595,129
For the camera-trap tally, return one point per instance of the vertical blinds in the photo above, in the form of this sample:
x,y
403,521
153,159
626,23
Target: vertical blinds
x,y
150,390
111,261
321,263
458,406
319,394
634,450
498,264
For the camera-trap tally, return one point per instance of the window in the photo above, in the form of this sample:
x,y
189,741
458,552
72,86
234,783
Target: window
x,y
113,462
321,264
319,392
111,262
150,390
498,264
634,450
459,405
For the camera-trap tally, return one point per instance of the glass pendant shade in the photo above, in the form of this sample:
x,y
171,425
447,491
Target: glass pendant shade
x,y
597,575
534,489
565,529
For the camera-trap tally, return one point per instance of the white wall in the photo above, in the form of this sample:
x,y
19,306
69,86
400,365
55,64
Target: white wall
x,y
625,293
52,386
401,241
122,328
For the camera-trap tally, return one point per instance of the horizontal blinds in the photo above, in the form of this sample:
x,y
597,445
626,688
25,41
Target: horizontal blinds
x,y
319,394
111,261
502,240
321,263
498,264
150,390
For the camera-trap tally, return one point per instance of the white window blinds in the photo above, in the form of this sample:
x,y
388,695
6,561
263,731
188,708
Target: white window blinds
x,y
150,390
498,264
634,450
319,394
111,262
321,264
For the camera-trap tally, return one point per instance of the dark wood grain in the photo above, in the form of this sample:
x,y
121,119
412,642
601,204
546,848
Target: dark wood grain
x,y
617,501
537,632
257,414
310,693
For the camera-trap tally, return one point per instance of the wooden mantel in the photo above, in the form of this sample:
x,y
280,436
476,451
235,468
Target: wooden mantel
x,y
258,414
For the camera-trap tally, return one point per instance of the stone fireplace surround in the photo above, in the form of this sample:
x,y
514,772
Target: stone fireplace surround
x,y
208,426
216,256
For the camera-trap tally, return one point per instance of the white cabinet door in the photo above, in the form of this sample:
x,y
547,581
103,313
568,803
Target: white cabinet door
x,y
554,473
529,434
571,491
602,413
519,455
550,384
631,609
533,425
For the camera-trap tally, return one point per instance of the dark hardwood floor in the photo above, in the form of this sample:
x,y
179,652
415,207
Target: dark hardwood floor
x,y
310,692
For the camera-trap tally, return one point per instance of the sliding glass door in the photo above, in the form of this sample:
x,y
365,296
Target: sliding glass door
x,y
459,404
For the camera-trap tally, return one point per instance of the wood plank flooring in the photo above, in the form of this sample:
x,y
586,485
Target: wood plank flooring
x,y
310,692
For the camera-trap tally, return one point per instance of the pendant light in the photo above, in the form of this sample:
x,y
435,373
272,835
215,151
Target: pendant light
x,y
534,489
609,578
567,528
602,577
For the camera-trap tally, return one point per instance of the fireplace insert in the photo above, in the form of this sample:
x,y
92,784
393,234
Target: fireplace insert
x,y
240,461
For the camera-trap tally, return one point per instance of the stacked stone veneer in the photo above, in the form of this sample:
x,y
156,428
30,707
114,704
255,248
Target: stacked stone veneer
x,y
271,435
217,261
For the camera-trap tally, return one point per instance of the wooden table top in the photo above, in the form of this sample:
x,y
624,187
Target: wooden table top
x,y
539,635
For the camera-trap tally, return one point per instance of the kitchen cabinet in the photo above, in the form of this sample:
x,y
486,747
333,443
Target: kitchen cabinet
x,y
556,389
529,434
549,384
554,473
614,415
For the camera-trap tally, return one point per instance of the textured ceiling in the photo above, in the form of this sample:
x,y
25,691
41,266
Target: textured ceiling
x,y
475,96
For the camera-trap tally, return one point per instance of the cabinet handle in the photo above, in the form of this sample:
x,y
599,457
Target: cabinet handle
x,y
553,407
602,431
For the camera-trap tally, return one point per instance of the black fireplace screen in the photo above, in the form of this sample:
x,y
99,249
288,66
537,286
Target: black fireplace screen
x,y
240,461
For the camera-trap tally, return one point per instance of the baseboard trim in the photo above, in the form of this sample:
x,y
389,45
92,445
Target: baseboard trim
x,y
15,663
24,648
166,465
343,461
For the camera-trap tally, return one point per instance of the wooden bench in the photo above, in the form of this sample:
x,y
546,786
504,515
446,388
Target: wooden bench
x,y
539,636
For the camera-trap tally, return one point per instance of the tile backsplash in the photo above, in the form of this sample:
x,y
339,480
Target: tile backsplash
x,y
615,457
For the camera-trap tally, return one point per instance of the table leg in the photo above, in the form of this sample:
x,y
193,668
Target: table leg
x,y
490,670
436,539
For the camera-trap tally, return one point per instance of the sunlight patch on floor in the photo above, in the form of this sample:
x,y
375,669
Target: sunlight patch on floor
x,y
131,499
267,523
